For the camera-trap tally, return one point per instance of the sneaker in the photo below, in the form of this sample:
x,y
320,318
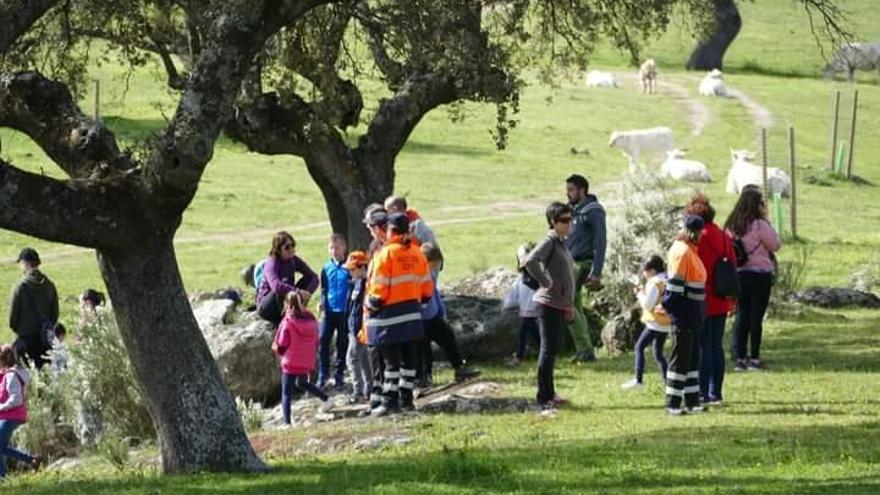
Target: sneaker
x,y
712,401
548,411
285,426
466,372
755,365
356,398
633,384
322,382
340,383
740,365
696,410
326,406
407,407
558,402
383,410
674,411
584,357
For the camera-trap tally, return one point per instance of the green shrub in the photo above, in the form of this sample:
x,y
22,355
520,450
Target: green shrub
x,y
101,378
48,430
251,414
115,449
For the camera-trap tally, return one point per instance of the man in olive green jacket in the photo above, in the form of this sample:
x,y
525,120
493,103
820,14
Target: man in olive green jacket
x,y
34,305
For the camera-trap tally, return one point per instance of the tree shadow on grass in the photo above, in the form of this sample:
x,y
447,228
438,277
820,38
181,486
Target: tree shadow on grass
x,y
134,129
685,458
426,148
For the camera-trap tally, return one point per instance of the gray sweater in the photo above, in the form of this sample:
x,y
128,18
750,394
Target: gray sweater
x,y
551,265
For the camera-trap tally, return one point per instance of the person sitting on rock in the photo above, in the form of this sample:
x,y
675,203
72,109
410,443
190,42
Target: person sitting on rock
x,y
296,342
279,271
437,329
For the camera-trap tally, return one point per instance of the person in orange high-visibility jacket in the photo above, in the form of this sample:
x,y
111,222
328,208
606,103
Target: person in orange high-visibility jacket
x,y
399,282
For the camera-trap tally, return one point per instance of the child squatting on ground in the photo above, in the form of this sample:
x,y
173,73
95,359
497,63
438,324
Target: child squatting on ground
x,y
296,342
657,324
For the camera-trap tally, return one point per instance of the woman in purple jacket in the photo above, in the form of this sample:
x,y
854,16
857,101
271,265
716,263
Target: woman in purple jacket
x,y
279,272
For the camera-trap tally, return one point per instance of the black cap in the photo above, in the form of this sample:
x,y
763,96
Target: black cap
x,y
399,221
378,218
693,223
29,255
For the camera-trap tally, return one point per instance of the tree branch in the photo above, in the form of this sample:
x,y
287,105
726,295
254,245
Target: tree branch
x,y
175,166
175,80
45,111
399,115
59,211
17,16
392,70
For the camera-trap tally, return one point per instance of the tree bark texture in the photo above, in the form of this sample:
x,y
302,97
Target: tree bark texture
x,y
709,53
195,416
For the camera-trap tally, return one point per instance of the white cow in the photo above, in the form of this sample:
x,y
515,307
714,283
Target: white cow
x,y
744,172
648,76
640,142
676,167
713,84
600,79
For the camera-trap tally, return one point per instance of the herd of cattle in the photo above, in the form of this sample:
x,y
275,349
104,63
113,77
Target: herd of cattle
x,y
641,143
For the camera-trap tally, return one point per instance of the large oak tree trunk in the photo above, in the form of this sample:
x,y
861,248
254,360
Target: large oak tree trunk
x,y
185,393
349,186
709,53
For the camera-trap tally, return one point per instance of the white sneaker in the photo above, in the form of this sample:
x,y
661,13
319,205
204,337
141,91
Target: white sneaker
x,y
632,384
326,406
696,410
285,426
673,411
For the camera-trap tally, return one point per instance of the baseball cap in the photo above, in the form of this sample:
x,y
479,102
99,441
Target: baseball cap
x,y
693,223
377,218
399,221
29,255
356,259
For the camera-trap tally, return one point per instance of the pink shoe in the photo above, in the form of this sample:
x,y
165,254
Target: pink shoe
x,y
558,401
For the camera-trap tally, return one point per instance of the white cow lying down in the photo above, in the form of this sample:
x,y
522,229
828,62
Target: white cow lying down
x,y
676,167
640,142
600,79
744,172
713,84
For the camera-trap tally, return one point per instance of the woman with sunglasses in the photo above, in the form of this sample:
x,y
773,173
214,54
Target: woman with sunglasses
x,y
551,265
279,273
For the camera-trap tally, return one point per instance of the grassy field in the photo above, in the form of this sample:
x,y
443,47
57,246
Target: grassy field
x,y
809,425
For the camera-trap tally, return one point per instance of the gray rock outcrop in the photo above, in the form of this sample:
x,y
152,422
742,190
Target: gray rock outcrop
x,y
836,297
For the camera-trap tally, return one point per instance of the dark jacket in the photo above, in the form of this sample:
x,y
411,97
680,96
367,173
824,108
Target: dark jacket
x,y
355,307
34,300
586,241
551,266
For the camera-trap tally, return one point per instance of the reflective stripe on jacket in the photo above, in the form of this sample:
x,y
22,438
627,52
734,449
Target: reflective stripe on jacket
x,y
399,282
685,295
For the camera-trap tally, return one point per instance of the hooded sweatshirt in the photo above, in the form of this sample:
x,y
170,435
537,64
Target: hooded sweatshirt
x,y
34,300
586,241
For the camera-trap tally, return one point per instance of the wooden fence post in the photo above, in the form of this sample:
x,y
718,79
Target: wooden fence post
x,y
793,167
852,135
97,99
834,127
764,161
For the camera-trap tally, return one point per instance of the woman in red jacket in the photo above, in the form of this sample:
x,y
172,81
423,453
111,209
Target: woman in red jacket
x,y
715,245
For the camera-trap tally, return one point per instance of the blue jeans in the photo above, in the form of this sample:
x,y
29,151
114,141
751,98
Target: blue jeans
x,y
647,337
333,322
528,330
296,383
712,357
6,429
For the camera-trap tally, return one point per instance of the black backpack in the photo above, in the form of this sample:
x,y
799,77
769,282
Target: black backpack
x,y
528,280
725,276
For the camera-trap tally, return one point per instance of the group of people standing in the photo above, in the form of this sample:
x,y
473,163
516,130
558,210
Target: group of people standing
x,y
712,273
382,306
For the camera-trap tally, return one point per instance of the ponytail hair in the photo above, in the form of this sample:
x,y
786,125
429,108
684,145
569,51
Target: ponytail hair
x,y
296,303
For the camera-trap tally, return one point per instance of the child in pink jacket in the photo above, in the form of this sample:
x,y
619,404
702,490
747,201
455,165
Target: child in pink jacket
x,y
296,342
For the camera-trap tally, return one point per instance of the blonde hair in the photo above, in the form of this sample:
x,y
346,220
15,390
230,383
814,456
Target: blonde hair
x,y
294,301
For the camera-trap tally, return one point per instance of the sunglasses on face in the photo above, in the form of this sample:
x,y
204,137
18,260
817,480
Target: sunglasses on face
x,y
287,247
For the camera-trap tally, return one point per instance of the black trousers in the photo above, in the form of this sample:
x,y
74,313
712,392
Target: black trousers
x,y
30,349
437,330
683,377
551,325
400,373
377,366
754,297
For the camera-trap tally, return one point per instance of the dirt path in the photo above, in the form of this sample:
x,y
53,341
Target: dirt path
x,y
696,112
760,115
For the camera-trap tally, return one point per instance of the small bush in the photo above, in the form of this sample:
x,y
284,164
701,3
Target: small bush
x,y
790,274
47,431
867,276
251,414
101,378
643,221
114,448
